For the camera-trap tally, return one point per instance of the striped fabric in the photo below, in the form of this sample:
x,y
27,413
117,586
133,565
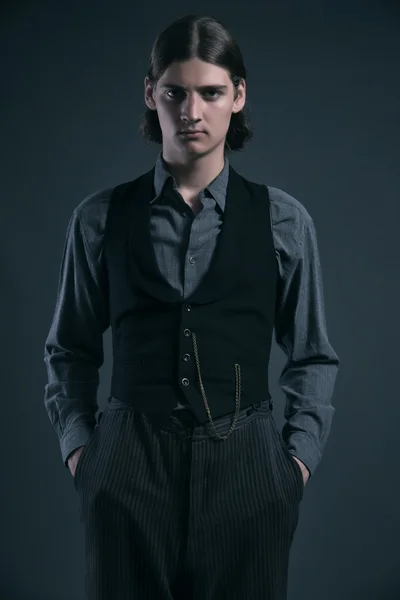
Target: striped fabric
x,y
172,513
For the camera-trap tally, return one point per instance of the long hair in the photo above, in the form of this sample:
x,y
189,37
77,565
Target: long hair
x,y
207,39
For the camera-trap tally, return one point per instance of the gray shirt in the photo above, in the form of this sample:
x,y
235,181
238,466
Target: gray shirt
x,y
184,244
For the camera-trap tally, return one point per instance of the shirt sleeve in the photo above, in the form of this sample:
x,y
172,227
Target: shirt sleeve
x,y
309,374
74,345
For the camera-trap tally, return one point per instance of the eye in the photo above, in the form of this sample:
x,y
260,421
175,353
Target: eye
x,y
213,94
172,93
210,94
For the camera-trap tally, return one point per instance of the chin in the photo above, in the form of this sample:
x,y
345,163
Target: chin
x,y
196,153
195,149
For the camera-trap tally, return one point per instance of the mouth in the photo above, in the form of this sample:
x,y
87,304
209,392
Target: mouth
x,y
191,133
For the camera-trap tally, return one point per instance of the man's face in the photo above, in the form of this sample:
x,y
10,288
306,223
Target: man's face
x,y
202,92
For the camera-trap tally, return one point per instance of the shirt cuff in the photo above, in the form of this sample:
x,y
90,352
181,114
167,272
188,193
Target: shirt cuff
x,y
301,446
73,438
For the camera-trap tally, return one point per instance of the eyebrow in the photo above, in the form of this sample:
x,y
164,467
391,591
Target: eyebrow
x,y
214,86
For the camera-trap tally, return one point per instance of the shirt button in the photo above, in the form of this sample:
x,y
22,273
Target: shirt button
x,y
185,381
187,332
188,307
192,260
186,357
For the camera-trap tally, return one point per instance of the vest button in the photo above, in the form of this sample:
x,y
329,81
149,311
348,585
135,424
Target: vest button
x,y
186,332
188,307
186,357
185,381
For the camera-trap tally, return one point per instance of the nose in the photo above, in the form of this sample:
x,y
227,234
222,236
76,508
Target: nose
x,y
190,108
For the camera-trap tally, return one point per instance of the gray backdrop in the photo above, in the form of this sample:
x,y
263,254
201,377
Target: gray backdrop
x,y
324,94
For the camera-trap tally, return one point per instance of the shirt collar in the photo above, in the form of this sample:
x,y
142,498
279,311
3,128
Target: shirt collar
x,y
217,188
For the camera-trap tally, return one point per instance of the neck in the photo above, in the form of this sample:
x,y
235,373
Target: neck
x,y
197,173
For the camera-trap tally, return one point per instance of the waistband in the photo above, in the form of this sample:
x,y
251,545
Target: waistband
x,y
185,422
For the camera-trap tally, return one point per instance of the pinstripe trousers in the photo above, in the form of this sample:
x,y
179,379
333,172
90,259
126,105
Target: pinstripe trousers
x,y
172,513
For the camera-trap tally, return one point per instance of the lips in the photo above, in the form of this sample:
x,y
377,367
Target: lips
x,y
190,131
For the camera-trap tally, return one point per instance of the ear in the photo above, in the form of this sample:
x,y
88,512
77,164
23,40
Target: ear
x,y
149,94
240,99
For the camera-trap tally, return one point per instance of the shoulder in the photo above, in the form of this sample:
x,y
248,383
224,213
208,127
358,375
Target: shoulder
x,y
288,211
291,223
91,213
94,206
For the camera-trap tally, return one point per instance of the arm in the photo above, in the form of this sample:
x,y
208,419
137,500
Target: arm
x,y
74,345
309,374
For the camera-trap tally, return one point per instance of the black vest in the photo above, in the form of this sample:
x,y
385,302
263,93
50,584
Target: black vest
x,y
216,343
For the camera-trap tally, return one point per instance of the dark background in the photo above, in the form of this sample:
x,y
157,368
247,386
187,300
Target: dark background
x,y
324,96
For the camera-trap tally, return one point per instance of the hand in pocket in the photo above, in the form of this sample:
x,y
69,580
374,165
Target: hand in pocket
x,y
73,460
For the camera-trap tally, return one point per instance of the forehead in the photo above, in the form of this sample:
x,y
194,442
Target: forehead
x,y
195,72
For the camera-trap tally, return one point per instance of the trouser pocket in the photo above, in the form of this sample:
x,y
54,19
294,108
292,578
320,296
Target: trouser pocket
x,y
83,457
284,450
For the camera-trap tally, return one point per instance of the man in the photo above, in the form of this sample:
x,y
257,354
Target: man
x,y
187,488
